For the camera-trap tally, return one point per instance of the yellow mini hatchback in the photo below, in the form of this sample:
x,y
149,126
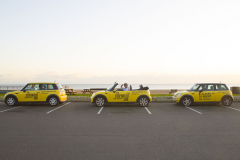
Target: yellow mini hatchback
x,y
205,92
117,95
43,92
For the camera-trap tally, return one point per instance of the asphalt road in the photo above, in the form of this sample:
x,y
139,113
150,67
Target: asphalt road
x,y
81,130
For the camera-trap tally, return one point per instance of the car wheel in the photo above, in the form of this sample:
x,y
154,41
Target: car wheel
x,y
53,101
11,101
227,101
100,101
143,101
186,101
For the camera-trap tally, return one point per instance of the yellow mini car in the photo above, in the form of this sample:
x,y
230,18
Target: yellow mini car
x,y
140,96
205,92
52,93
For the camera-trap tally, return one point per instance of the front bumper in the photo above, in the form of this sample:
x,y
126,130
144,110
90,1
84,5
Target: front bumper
x,y
176,99
92,99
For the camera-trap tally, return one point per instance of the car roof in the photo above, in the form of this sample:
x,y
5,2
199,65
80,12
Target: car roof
x,y
210,83
42,83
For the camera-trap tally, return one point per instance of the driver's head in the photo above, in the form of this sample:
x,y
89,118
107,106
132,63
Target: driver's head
x,y
125,85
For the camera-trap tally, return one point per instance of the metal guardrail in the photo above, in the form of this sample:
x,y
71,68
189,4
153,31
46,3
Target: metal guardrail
x,y
11,88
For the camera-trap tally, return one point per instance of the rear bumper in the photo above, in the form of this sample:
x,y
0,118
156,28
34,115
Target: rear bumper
x,y
63,98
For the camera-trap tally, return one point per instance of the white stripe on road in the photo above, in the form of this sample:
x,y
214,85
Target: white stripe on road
x,y
100,110
148,110
58,107
9,109
233,108
193,109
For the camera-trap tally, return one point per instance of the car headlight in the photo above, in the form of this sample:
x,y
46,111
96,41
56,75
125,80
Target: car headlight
x,y
178,95
93,94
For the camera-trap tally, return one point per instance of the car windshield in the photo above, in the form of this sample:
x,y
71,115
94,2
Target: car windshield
x,y
112,87
194,87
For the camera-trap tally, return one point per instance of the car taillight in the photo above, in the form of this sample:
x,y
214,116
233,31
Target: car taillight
x,y
59,92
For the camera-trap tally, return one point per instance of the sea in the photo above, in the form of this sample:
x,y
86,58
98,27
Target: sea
x,y
88,86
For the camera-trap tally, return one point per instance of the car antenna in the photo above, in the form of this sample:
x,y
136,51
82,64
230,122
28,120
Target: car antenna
x,y
118,79
55,79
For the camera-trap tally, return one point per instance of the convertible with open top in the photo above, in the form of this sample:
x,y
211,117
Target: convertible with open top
x,y
140,96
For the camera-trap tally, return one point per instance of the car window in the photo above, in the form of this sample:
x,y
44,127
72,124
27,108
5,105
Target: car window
x,y
210,87
221,87
43,87
50,86
32,87
47,87
206,87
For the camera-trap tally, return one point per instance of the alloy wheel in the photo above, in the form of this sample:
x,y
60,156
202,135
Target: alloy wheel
x,y
143,102
53,101
227,101
186,101
10,101
100,101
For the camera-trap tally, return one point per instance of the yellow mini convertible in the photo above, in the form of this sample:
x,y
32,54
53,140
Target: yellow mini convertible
x,y
113,94
43,92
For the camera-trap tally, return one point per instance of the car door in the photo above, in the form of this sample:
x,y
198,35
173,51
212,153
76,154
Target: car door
x,y
206,93
44,92
30,93
119,96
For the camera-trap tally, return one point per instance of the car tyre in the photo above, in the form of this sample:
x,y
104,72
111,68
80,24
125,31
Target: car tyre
x,y
100,101
53,101
227,101
186,101
11,101
143,101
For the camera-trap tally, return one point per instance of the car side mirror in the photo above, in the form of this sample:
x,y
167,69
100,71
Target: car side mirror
x,y
24,90
200,91
114,90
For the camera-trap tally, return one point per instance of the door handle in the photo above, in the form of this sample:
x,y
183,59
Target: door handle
x,y
106,93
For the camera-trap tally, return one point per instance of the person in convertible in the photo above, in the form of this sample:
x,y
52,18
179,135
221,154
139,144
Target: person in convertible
x,y
125,88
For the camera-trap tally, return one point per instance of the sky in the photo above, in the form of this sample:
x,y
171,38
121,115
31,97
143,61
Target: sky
x,y
138,41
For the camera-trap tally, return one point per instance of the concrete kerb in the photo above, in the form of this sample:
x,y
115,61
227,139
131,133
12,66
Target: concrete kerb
x,y
78,99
